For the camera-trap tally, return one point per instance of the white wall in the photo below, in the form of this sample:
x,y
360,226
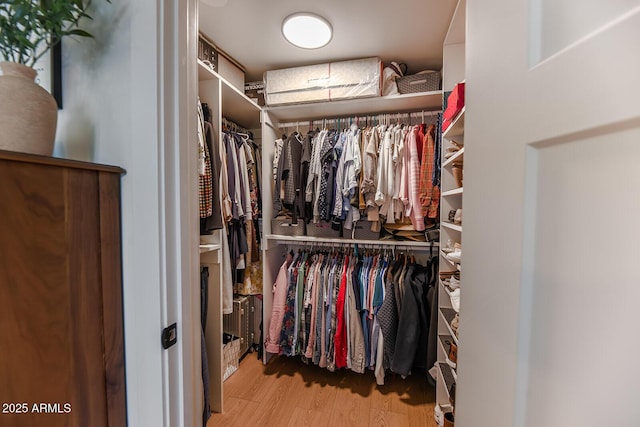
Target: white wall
x,y
110,115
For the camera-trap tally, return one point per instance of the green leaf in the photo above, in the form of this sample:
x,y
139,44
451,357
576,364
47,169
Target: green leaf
x,y
79,32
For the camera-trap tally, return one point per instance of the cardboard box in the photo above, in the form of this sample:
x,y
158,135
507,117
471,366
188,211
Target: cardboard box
x,y
255,92
324,82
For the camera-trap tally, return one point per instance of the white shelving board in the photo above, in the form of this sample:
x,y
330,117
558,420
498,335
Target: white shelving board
x,y
456,129
453,192
447,315
452,226
209,247
425,101
453,263
456,157
236,106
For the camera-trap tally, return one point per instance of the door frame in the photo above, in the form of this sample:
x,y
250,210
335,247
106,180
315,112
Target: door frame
x,y
179,242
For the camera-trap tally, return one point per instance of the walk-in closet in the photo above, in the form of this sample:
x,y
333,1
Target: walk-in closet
x,y
321,253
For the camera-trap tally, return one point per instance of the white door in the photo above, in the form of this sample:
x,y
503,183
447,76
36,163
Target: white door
x,y
548,333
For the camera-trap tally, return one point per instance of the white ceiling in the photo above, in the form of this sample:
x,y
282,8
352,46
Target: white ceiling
x,y
409,31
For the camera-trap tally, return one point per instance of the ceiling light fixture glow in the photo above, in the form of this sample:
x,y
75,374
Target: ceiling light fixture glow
x,y
307,30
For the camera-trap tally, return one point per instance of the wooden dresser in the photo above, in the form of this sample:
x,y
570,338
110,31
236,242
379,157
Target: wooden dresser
x,y
61,326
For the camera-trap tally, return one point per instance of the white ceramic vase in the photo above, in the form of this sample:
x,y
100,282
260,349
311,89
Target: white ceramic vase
x,y
28,113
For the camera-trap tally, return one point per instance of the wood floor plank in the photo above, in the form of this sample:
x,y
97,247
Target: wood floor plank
x,y
237,413
421,416
350,409
380,418
251,384
302,417
273,409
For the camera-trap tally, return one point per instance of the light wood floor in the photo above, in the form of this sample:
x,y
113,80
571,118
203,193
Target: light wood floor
x,y
287,392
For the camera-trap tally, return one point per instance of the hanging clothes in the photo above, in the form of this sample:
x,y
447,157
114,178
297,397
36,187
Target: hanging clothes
x,y
338,310
214,220
429,193
385,172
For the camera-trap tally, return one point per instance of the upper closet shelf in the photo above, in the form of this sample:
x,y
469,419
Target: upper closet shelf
x,y
456,128
426,101
236,106
306,240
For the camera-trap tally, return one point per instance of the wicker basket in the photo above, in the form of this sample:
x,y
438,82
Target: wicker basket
x,y
322,229
231,356
425,81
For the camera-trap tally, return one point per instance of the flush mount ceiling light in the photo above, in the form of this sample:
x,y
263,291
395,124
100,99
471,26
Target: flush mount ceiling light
x,y
307,30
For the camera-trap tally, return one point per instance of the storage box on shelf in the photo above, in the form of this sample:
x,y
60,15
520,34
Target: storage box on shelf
x,y
255,92
220,62
324,82
284,226
324,229
425,81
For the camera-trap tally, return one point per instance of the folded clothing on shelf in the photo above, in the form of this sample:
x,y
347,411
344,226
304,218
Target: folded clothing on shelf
x,y
455,103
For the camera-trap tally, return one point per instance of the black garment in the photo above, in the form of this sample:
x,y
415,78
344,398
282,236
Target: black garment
x,y
432,299
420,285
355,283
306,209
295,148
411,340
204,295
206,412
213,222
388,319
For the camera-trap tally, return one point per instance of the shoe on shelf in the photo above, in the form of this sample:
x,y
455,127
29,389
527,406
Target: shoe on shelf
x,y
438,415
449,274
455,144
450,247
456,254
454,283
452,354
455,299
449,420
455,323
457,217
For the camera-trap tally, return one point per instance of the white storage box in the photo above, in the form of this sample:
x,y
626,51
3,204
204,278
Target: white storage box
x,y
357,78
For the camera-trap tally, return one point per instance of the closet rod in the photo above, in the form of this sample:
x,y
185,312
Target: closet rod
x,y
423,246
233,126
363,117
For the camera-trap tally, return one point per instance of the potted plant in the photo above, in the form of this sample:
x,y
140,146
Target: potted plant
x,y
28,30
